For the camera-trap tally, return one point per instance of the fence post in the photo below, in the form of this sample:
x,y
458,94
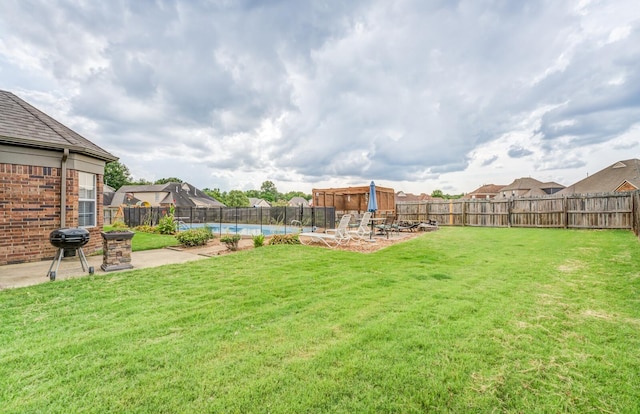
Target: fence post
x,y
464,213
565,215
236,214
450,213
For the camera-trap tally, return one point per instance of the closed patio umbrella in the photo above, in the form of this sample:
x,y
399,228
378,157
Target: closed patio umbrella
x,y
373,203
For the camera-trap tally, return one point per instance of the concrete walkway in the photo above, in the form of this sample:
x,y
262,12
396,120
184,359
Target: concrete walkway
x,y
27,274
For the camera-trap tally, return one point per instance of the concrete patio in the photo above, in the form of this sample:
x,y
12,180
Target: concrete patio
x,y
27,274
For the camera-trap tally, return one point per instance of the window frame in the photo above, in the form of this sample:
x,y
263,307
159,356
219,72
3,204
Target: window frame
x,y
91,189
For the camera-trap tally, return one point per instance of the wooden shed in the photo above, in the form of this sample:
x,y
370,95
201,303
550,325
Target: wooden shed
x,y
354,199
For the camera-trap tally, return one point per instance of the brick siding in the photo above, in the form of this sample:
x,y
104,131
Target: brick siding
x,y
30,210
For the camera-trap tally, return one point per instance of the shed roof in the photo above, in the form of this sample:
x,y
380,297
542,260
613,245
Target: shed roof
x,y
24,125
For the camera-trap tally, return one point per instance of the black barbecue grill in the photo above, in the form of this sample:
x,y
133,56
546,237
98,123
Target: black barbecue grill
x,y
69,242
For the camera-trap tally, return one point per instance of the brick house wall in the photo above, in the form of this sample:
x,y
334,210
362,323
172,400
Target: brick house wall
x,y
30,210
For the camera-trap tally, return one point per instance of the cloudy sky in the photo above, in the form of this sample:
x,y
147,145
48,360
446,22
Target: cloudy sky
x,y
416,95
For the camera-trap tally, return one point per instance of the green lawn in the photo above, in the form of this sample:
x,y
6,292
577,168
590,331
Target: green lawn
x,y
459,320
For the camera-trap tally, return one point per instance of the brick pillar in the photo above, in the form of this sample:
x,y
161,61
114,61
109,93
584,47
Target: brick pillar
x,y
116,248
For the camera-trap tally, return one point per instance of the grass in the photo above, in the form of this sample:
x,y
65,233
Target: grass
x,y
459,320
149,241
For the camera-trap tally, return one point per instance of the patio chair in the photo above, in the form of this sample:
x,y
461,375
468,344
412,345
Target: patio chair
x,y
388,226
364,228
332,237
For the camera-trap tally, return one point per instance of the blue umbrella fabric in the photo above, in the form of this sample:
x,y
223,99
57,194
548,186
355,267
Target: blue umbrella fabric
x,y
373,203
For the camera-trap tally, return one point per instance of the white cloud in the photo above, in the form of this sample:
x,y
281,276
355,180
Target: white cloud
x,y
413,95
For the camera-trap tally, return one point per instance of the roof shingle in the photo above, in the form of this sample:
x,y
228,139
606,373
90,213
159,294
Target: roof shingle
x,y
24,125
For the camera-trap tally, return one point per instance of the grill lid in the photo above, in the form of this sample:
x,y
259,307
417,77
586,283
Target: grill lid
x,y
69,238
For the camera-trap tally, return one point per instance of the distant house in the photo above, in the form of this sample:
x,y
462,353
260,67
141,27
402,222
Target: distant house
x,y
298,202
529,187
51,177
258,202
163,195
487,191
621,176
402,197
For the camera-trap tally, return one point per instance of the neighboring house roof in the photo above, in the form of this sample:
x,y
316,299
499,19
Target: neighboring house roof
x,y
298,201
402,197
552,185
525,183
128,200
485,190
258,202
178,194
618,177
23,125
107,194
529,187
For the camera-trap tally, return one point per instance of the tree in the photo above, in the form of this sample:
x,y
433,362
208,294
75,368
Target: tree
x,y
168,180
288,196
252,193
268,191
237,198
440,194
116,175
140,181
217,194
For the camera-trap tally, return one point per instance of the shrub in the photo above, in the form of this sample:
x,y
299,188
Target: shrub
x,y
231,240
167,225
284,239
119,225
209,230
145,228
194,237
258,240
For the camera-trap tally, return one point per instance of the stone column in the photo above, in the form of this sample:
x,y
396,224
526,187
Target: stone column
x,y
116,248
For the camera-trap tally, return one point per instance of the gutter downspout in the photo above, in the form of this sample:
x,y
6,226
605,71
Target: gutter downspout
x,y
63,189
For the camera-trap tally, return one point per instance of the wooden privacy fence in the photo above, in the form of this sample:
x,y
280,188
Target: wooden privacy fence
x,y
591,211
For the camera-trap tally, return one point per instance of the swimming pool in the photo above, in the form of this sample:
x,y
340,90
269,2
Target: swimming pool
x,y
247,229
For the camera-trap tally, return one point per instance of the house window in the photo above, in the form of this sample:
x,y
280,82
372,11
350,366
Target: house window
x,y
87,200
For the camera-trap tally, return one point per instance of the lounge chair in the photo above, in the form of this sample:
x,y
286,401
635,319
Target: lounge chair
x,y
407,226
429,225
332,237
364,228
